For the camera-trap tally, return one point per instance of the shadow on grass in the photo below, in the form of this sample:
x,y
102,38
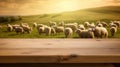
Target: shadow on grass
x,y
6,31
12,34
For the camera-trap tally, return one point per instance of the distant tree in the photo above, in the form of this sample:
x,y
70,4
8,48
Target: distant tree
x,y
3,19
10,18
19,18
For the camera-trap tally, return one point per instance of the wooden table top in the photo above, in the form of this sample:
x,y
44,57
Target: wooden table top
x,y
59,50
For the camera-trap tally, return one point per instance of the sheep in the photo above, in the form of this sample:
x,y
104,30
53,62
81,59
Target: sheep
x,y
61,23
9,27
92,25
86,24
27,29
100,31
59,29
68,32
53,31
104,24
23,24
99,25
73,26
117,23
41,25
52,23
113,30
113,25
47,31
41,30
81,27
75,23
19,30
35,25
15,25
85,33
98,22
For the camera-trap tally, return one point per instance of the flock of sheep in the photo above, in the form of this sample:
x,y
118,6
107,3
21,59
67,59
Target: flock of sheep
x,y
86,30
22,28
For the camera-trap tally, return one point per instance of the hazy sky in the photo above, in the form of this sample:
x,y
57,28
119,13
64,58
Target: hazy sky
x,y
31,7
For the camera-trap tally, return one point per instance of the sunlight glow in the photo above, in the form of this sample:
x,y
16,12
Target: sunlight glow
x,y
33,7
67,5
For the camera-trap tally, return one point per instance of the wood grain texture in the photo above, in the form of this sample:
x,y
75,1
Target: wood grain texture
x,y
59,51
55,65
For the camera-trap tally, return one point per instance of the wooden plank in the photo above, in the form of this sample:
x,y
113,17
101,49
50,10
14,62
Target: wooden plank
x,y
59,43
59,51
55,65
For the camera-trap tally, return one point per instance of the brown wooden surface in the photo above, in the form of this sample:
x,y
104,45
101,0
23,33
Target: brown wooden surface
x,y
59,50
56,65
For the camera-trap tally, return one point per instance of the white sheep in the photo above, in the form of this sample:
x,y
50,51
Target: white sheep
x,y
98,22
68,32
41,25
61,23
19,30
15,25
59,29
75,23
73,26
23,24
85,33
81,27
113,25
27,29
9,27
86,24
53,31
41,30
104,24
35,25
117,23
47,31
100,32
99,25
113,30
52,23
92,25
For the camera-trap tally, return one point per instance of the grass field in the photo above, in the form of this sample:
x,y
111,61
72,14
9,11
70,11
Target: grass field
x,y
106,14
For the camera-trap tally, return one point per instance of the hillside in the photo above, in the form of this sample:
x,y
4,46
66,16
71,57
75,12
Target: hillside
x,y
91,14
